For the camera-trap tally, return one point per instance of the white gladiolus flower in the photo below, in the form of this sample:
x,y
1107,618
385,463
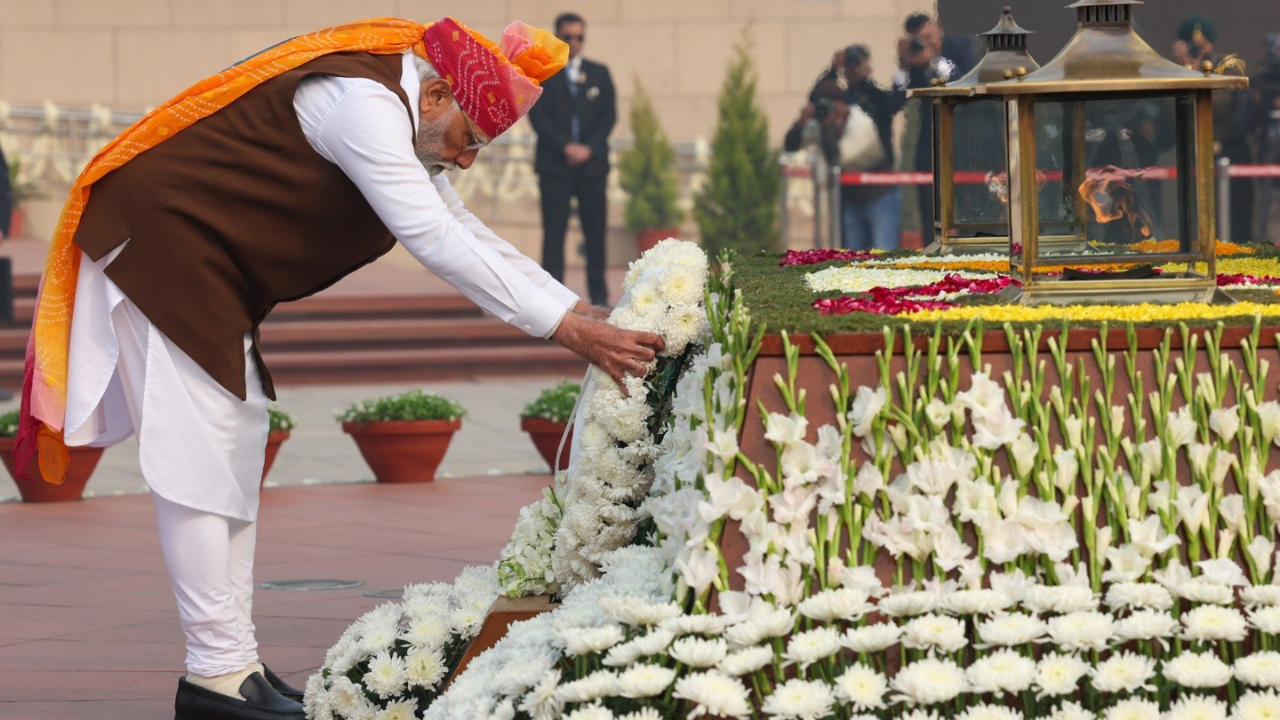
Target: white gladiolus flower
x,y
1266,619
1256,595
983,395
1258,705
1082,631
811,646
699,652
1260,669
1192,505
867,405
1181,427
1011,629
798,699
995,429
1225,422
934,631
976,602
598,684
938,413
989,712
644,680
1197,670
714,693
907,604
862,687
1149,536
1196,707
1136,596
386,675
1262,551
1147,625
1071,711
871,638
929,681
1059,674
1023,450
747,660
1003,671
1211,622
582,641
1126,564
839,604
1124,672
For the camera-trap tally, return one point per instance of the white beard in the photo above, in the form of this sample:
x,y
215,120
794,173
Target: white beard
x,y
429,144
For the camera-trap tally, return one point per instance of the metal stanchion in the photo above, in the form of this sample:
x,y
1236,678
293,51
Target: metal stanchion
x,y
818,182
1224,200
834,187
784,216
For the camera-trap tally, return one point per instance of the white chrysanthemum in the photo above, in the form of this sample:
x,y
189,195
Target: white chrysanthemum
x,y
1256,595
543,701
1138,596
1011,629
990,712
406,709
934,631
644,680
1266,619
1212,622
637,611
862,687
386,675
1059,674
348,700
1196,707
424,668
811,646
1123,672
594,711
696,624
1003,671
1082,631
644,713
1260,669
699,652
1202,591
841,604
761,625
747,660
1147,625
1258,705
653,643
316,699
908,604
1132,709
872,638
798,699
1071,711
714,693
976,602
598,684
583,641
428,631
1197,670
929,681
1061,599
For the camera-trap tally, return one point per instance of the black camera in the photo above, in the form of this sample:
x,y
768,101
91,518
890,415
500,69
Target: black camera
x,y
916,46
822,107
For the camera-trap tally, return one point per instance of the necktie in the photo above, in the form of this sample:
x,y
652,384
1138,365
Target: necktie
x,y
573,94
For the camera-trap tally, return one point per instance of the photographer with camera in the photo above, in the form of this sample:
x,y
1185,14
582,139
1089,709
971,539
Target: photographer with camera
x,y
926,53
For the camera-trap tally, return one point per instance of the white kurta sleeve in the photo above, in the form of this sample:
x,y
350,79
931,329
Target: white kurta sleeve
x,y
364,129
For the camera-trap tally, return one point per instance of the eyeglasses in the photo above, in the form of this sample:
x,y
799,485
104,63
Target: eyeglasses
x,y
477,145
571,38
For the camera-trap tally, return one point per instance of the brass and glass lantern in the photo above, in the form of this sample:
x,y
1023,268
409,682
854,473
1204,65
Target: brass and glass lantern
x,y
970,190
1114,144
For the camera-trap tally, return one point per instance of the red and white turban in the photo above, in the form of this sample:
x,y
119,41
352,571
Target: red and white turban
x,y
494,85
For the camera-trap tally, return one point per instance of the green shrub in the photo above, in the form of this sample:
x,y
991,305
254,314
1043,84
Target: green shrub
x,y
555,403
647,171
410,406
9,424
280,420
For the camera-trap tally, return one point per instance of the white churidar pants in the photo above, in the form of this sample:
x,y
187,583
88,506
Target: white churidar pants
x,y
200,449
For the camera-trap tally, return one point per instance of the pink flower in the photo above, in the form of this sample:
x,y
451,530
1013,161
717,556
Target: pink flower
x,y
820,255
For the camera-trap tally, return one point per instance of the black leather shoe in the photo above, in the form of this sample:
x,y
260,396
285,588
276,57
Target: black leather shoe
x,y
261,702
281,686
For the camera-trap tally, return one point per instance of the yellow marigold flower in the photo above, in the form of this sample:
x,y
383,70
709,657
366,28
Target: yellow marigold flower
x,y
1144,312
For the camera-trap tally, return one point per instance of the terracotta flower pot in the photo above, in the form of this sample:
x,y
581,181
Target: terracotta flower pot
x,y
546,436
403,451
83,461
17,222
646,239
274,439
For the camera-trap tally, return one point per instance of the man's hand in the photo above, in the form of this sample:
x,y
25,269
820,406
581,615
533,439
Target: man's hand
x,y
590,311
577,154
616,351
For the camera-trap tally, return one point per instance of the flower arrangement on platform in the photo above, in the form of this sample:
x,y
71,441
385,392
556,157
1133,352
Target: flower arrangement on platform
x,y
392,663
555,403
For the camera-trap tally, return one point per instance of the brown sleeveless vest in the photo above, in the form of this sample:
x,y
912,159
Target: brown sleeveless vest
x,y
233,215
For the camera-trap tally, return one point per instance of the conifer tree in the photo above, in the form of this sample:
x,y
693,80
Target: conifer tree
x,y
648,170
738,206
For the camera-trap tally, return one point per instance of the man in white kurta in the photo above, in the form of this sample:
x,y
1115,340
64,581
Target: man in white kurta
x,y
201,447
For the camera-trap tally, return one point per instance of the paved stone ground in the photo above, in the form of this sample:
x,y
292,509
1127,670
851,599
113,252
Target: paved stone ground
x,y
88,627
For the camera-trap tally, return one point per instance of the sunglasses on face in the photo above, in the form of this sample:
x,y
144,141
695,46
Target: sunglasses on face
x,y
571,38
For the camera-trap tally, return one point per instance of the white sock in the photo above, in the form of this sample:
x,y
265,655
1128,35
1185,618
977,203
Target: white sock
x,y
228,684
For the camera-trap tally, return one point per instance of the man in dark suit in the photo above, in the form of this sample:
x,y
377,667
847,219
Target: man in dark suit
x,y
6,196
573,120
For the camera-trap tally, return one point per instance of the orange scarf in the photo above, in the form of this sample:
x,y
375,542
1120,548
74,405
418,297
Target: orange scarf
x,y
44,396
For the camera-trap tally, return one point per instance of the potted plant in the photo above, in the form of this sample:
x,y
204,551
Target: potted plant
x,y
403,437
80,466
647,173
22,190
545,420
279,425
